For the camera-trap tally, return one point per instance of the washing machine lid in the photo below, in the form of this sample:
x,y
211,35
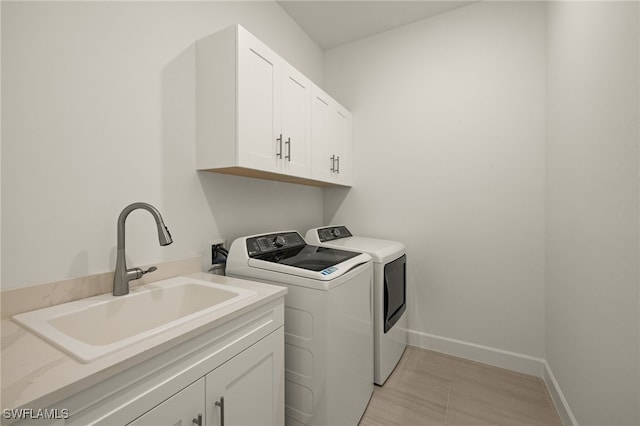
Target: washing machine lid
x,y
288,253
339,237
313,258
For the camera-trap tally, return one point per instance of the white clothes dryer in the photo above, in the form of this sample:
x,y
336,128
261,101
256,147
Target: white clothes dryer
x,y
328,323
389,291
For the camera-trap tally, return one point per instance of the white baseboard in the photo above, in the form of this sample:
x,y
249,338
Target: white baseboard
x,y
499,358
565,413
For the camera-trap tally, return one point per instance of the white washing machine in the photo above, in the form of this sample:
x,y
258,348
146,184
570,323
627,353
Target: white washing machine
x,y
328,323
389,289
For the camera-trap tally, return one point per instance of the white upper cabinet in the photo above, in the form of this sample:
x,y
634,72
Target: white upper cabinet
x,y
330,139
253,109
254,114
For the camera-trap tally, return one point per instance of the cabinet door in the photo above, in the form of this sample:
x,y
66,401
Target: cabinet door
x,y
259,109
296,122
323,157
340,128
182,409
331,139
249,388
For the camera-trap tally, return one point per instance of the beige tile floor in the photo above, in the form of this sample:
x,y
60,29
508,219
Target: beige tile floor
x,y
430,388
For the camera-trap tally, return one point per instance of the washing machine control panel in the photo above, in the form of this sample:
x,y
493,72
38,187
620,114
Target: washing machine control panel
x,y
333,233
267,243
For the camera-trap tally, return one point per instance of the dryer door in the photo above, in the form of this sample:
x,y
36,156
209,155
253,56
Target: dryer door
x,y
395,289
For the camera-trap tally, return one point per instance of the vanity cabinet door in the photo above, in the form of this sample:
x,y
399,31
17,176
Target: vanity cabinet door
x,y
185,408
249,388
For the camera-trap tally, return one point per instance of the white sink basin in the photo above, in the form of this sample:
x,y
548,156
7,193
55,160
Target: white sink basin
x,y
90,328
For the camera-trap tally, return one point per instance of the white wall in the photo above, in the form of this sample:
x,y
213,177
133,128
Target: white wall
x,y
593,316
0,148
449,129
98,112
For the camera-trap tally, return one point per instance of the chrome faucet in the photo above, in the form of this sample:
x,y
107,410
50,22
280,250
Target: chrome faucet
x,y
122,274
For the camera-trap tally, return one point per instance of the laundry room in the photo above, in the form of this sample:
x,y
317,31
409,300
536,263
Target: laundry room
x,y
491,147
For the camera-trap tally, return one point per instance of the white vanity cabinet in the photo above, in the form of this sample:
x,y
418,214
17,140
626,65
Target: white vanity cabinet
x,y
253,109
240,360
245,390
331,139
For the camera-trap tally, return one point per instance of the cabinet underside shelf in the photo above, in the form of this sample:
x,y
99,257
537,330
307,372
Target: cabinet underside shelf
x,y
260,174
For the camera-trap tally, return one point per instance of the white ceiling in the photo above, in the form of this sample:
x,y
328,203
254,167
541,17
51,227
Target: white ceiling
x,y
331,23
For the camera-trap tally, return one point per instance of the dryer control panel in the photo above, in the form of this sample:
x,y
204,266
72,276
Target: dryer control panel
x,y
267,243
333,233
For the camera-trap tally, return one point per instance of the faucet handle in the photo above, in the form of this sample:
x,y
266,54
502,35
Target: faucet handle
x,y
151,269
137,273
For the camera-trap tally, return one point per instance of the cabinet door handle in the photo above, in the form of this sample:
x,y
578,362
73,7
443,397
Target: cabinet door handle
x,y
338,163
221,405
279,140
198,420
333,163
288,143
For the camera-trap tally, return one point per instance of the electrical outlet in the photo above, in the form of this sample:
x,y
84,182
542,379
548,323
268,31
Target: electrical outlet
x,y
218,252
216,242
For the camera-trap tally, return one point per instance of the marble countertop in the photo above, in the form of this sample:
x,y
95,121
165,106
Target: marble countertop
x,y
36,374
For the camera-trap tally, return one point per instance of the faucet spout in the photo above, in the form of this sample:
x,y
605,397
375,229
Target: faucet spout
x,y
164,237
122,275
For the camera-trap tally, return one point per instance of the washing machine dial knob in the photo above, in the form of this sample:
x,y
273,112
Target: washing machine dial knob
x,y
279,241
335,232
